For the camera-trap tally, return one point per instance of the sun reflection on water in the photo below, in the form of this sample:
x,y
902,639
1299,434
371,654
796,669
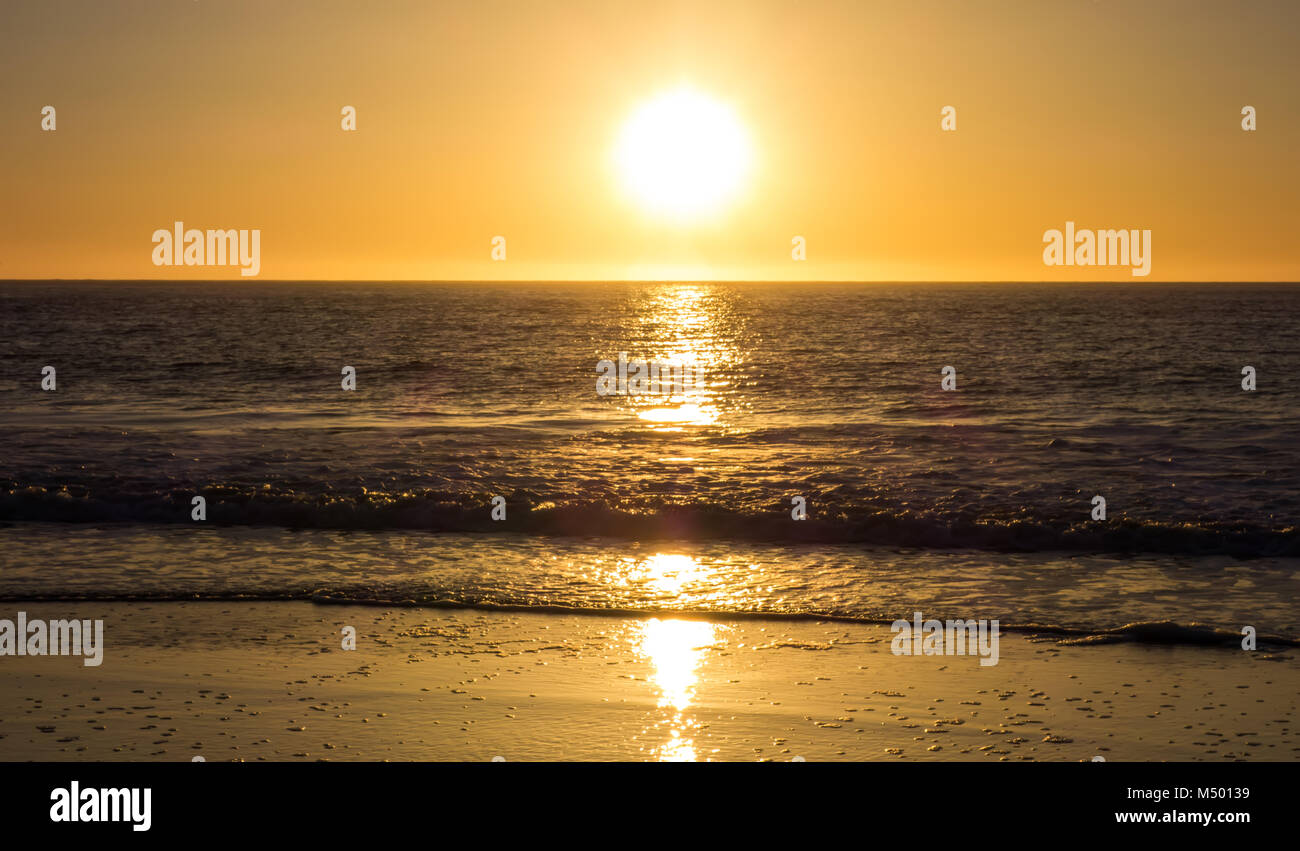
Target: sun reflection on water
x,y
687,323
672,573
687,413
671,582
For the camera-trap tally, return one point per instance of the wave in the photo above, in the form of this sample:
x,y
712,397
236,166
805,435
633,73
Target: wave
x,y
657,519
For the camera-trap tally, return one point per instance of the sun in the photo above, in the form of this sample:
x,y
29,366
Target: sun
x,y
683,155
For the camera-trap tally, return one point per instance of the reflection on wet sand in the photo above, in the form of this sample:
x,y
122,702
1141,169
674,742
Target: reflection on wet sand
x,y
676,648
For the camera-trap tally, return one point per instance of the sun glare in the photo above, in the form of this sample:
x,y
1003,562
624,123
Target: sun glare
x,y
683,155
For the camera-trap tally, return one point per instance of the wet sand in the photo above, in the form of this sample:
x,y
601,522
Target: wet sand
x,y
270,681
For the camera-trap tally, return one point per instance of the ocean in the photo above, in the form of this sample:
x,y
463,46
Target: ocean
x,y
976,502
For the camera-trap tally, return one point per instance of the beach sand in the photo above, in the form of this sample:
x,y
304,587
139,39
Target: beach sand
x,y
269,681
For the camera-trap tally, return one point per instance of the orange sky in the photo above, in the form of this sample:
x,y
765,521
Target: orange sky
x,y
481,118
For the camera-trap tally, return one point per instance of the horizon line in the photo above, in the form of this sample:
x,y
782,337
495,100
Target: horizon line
x,y
251,281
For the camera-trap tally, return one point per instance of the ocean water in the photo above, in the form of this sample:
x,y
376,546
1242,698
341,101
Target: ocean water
x,y
968,503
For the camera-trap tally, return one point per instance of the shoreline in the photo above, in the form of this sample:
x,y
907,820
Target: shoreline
x,y
1093,597
270,681
1164,632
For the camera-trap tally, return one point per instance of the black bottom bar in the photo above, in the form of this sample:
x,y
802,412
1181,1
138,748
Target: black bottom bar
x,y
442,800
